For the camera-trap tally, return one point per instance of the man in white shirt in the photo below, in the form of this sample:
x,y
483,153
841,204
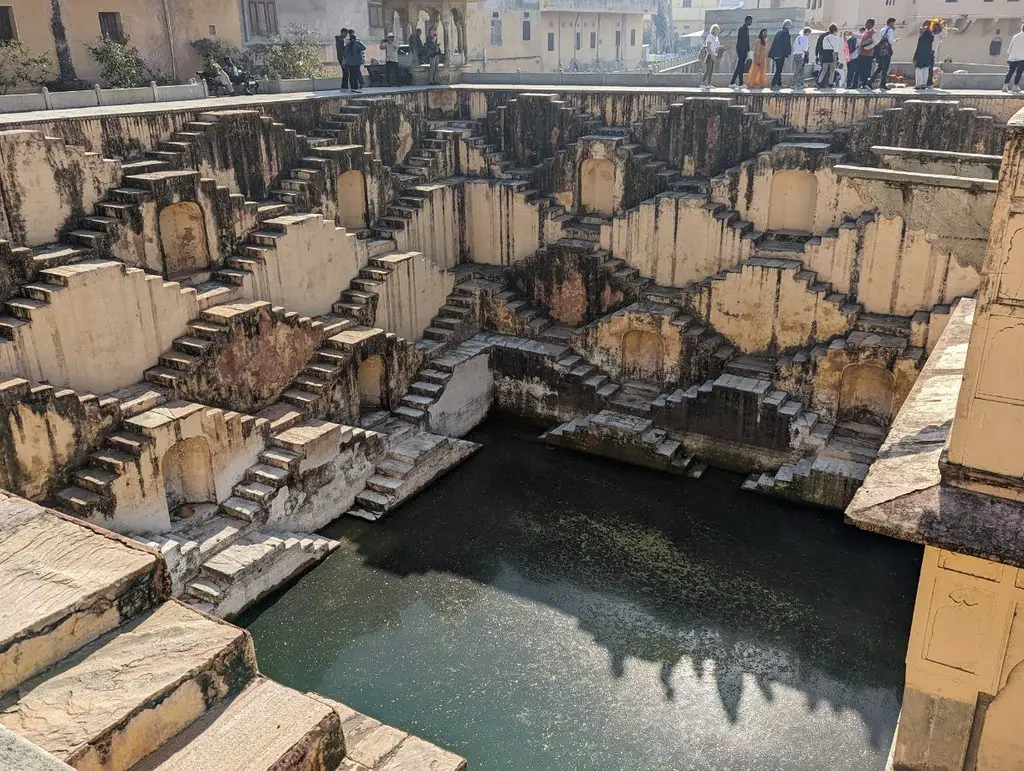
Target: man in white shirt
x,y
1015,62
883,55
831,55
801,48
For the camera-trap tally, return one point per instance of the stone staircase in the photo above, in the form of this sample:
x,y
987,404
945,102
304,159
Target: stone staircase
x,y
251,567
359,301
99,668
433,377
409,466
34,297
624,437
206,337
460,317
829,477
310,393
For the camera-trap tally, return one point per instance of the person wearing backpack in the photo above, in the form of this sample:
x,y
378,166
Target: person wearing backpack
x,y
883,55
831,45
866,55
852,47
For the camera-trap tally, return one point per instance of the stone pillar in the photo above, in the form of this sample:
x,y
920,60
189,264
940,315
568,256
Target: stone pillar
x,y
985,451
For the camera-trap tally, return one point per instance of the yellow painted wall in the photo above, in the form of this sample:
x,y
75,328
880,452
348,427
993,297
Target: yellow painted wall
x,y
143,21
966,646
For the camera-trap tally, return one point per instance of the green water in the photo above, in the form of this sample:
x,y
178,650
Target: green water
x,y
540,609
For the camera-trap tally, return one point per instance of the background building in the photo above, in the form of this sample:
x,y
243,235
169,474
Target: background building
x,y
548,35
162,31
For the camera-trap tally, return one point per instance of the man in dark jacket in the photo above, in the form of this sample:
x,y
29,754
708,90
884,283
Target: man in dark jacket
x,y
339,45
782,47
742,51
354,61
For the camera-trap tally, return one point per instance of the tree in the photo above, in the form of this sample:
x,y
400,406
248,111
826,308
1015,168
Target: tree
x,y
122,66
18,66
297,55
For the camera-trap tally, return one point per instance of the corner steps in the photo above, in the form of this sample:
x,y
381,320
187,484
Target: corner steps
x,y
408,467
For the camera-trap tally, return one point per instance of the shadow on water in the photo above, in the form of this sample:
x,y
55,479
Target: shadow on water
x,y
686,623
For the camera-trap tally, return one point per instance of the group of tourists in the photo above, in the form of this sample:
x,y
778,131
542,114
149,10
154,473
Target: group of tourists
x,y
352,55
865,56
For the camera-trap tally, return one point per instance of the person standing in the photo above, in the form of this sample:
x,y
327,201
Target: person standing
x,y
433,51
339,45
782,47
758,77
742,52
1015,61
852,48
924,56
416,46
354,61
883,55
801,48
390,49
711,51
831,47
866,55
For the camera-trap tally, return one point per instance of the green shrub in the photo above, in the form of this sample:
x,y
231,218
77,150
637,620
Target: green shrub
x,y
222,51
297,55
19,68
122,66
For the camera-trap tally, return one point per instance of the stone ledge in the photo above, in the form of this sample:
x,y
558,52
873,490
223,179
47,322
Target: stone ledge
x,y
916,178
904,496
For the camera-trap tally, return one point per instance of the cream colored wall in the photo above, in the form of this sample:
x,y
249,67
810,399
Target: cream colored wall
x,y
311,263
46,182
501,226
967,640
139,493
146,26
101,330
436,228
412,294
760,306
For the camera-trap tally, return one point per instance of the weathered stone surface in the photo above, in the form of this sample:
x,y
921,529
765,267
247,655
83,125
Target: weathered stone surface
x,y
67,583
20,755
133,689
267,726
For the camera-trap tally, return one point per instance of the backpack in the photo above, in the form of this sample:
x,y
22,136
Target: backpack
x,y
884,47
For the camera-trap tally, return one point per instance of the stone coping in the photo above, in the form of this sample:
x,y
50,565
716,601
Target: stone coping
x,y
916,178
903,495
893,97
946,155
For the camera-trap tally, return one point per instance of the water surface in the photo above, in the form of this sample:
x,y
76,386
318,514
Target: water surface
x,y
541,609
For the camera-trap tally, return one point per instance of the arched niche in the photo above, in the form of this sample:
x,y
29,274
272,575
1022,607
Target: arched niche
x,y
597,187
866,393
188,473
183,239
370,381
352,200
643,356
794,198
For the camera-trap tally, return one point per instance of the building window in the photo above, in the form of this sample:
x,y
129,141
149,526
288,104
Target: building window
x,y
593,40
263,18
526,29
110,26
995,47
8,31
632,37
618,38
495,29
579,43
376,19
551,41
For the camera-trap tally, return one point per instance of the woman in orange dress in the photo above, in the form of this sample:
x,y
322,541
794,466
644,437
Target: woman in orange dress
x,y
758,76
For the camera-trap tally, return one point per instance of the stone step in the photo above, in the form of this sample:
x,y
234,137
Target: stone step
x,y
241,508
267,726
67,578
108,704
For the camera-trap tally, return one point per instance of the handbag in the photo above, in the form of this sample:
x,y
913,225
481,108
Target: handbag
x,y
827,56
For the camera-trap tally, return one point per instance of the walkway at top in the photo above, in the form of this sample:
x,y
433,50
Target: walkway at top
x,y
17,119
